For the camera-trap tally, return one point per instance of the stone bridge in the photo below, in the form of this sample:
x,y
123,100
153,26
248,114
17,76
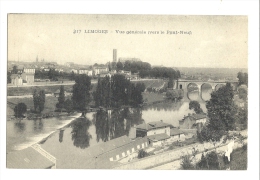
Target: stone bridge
x,y
184,84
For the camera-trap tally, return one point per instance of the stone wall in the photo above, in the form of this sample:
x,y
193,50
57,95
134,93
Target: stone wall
x,y
174,155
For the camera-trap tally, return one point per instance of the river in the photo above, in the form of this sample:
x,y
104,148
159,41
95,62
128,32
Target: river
x,y
98,126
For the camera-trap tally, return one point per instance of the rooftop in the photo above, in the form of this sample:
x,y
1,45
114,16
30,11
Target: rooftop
x,y
158,137
175,131
153,125
27,159
195,116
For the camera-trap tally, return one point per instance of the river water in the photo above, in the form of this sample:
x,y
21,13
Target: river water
x,y
97,127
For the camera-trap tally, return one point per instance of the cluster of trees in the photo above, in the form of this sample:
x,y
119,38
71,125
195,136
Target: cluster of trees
x,y
63,103
145,69
209,161
221,112
19,110
175,94
242,78
53,75
38,100
118,91
195,105
81,92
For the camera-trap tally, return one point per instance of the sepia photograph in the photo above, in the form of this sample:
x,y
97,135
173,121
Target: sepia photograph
x,y
127,91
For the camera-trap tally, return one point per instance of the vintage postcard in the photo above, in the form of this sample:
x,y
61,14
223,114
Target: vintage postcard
x,y
103,91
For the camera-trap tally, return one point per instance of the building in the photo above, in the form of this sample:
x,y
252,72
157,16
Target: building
x,y
30,158
28,75
114,55
152,128
158,139
57,93
83,71
16,80
99,70
192,121
75,71
69,64
177,135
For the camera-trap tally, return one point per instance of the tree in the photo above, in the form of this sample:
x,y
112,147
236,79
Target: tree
x,y
195,105
68,105
242,78
38,100
221,113
9,77
119,66
142,153
19,110
81,94
41,100
15,70
61,98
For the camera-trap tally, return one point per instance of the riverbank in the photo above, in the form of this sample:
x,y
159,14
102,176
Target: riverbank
x,y
29,132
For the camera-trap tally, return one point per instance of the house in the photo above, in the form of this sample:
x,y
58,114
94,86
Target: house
x,y
152,128
192,121
57,93
99,70
28,74
16,80
75,71
83,71
30,158
177,135
158,139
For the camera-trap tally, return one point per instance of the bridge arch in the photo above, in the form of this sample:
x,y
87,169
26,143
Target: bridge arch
x,y
206,90
217,86
193,90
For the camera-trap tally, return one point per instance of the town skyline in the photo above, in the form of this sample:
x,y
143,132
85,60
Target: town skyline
x,y
214,40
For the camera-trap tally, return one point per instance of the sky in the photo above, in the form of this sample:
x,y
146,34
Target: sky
x,y
213,41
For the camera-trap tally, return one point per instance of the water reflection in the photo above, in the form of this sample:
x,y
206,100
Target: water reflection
x,y
37,126
166,106
20,126
61,135
116,123
79,134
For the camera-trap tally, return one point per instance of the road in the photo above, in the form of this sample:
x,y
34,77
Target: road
x,y
64,83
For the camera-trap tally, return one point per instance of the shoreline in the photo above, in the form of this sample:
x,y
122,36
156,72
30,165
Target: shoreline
x,y
50,133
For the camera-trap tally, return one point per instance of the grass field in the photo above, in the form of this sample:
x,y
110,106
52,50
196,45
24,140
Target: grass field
x,y
152,97
49,106
20,91
238,160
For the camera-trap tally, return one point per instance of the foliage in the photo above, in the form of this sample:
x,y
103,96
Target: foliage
x,y
119,66
19,110
80,134
174,94
142,154
68,105
195,105
9,77
242,93
118,91
221,112
81,95
170,83
61,98
39,100
15,70
242,78
186,162
210,161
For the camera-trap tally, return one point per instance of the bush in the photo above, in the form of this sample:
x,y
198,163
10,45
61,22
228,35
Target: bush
x,y
142,153
186,163
19,110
